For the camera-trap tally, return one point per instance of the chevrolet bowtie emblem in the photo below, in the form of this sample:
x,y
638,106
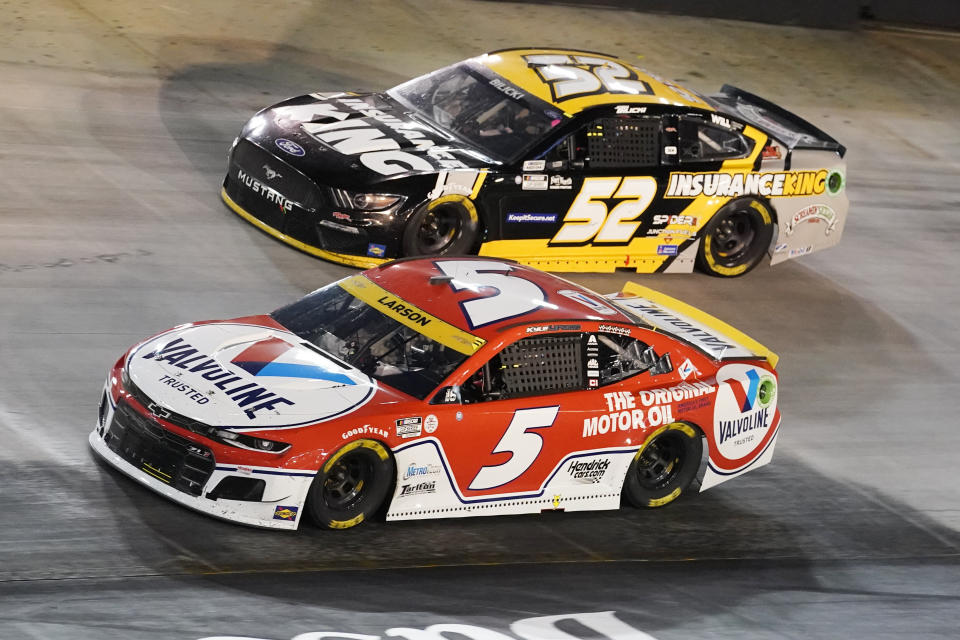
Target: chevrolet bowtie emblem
x,y
158,411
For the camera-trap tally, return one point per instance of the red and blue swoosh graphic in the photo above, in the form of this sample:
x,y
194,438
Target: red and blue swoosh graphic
x,y
746,397
260,359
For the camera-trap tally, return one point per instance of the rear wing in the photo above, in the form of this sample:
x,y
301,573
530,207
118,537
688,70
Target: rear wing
x,y
714,337
793,130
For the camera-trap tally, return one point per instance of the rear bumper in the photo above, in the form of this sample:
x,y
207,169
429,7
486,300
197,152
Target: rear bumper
x,y
283,498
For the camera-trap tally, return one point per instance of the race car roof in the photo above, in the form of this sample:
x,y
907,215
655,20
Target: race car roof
x,y
478,296
574,80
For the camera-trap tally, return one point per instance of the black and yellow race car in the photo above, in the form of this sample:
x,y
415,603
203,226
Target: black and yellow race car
x,y
563,160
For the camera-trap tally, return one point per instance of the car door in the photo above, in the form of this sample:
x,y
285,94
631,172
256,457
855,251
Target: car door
x,y
550,418
522,413
592,192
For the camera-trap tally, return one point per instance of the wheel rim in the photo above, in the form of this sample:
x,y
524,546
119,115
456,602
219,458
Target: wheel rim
x,y
733,237
661,461
347,482
438,230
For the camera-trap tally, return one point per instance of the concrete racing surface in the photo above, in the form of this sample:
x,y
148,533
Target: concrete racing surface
x,y
115,119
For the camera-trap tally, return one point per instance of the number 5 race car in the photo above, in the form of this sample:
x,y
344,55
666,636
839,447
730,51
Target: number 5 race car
x,y
440,388
562,160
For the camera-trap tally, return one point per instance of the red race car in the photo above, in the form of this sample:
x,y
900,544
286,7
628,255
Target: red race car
x,y
432,388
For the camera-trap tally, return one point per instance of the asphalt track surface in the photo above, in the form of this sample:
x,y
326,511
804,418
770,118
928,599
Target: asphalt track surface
x,y
114,124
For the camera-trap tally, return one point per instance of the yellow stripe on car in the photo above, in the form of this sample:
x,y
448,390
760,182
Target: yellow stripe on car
x,y
351,261
393,306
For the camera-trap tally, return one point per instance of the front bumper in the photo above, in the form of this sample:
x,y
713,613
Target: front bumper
x,y
278,199
281,504
363,262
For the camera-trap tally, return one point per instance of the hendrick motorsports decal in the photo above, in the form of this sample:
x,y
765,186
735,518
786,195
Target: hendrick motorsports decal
x,y
596,625
245,376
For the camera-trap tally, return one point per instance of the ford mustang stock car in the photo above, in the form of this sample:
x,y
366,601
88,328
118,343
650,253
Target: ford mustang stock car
x,y
563,160
486,387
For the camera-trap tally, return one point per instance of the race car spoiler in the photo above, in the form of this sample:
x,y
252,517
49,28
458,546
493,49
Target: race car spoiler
x,y
714,337
763,114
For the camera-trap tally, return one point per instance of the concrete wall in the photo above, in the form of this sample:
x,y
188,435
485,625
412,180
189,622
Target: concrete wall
x,y
933,13
832,14
829,14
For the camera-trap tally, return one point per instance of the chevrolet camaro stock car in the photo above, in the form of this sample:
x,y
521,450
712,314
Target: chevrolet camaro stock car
x,y
440,387
563,160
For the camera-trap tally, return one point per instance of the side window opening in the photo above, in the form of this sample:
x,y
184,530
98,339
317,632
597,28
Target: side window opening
x,y
546,364
532,366
623,142
611,143
621,357
701,141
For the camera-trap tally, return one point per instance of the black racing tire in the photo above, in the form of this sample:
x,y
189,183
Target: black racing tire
x,y
664,466
736,238
441,228
352,485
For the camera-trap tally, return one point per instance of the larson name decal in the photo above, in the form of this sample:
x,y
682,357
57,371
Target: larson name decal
x,y
399,308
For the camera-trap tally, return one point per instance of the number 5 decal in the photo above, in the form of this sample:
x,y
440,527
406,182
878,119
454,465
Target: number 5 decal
x,y
588,219
511,297
519,441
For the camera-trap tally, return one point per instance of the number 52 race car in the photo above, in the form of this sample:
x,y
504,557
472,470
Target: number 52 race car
x,y
440,388
562,160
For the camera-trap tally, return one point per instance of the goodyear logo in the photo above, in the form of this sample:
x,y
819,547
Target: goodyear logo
x,y
730,185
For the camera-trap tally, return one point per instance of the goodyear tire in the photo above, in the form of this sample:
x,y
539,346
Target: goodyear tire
x,y
736,238
448,226
664,466
351,486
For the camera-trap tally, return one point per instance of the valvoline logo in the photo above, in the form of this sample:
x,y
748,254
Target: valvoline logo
x,y
756,390
273,357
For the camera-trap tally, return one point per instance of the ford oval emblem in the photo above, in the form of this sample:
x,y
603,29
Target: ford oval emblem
x,y
289,146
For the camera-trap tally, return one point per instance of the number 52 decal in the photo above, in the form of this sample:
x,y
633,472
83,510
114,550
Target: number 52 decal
x,y
520,441
589,220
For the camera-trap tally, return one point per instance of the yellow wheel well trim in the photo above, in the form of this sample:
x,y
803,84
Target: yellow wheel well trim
x,y
673,426
345,524
352,261
464,200
719,268
670,497
631,288
375,446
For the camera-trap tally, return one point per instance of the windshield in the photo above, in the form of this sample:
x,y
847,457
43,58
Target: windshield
x,y
379,346
490,112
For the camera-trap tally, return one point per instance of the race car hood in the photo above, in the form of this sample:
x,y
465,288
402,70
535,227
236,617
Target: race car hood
x,y
242,376
354,140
